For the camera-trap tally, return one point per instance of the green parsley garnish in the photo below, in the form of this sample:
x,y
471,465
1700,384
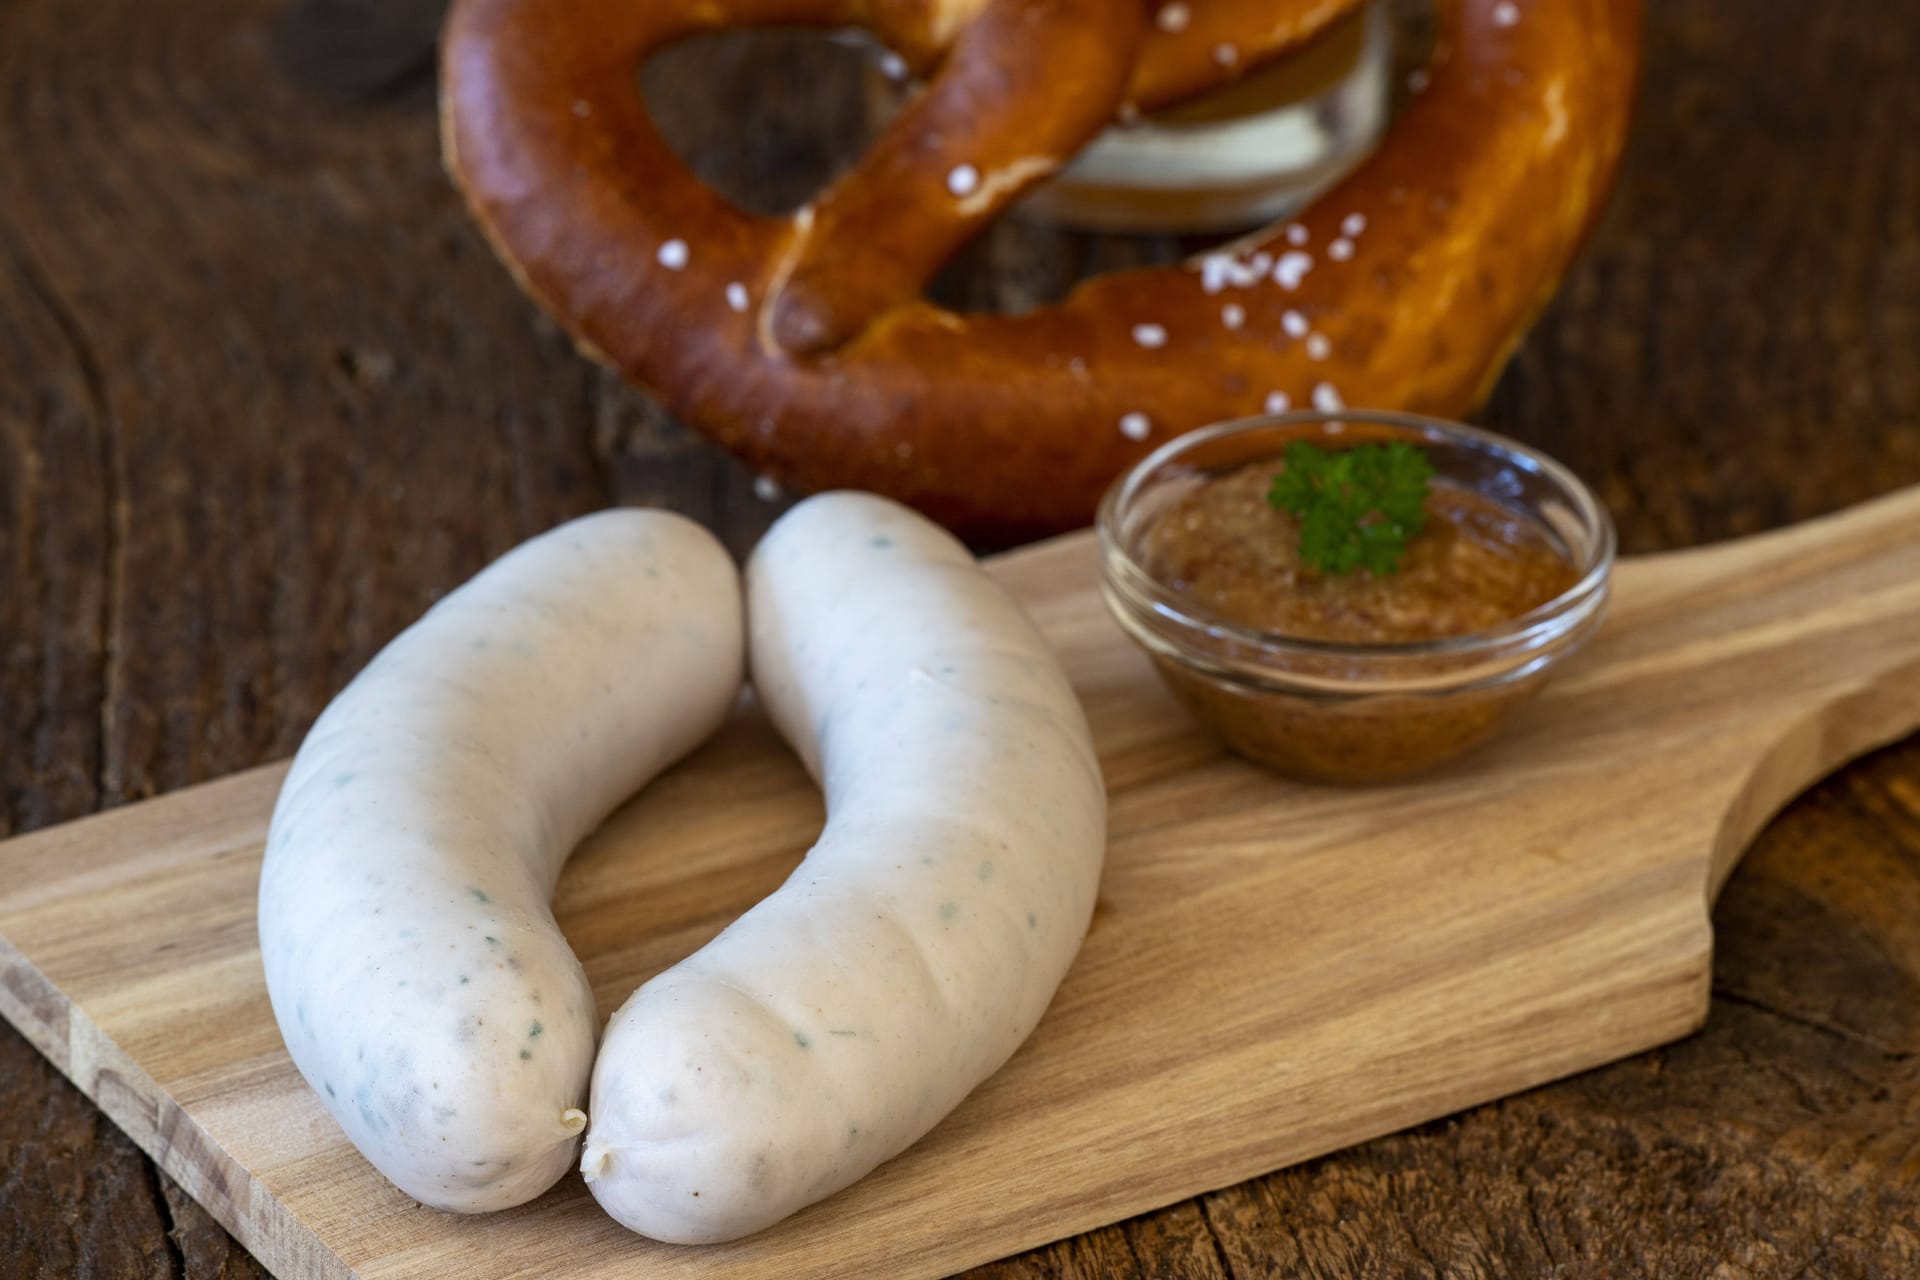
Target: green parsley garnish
x,y
1357,507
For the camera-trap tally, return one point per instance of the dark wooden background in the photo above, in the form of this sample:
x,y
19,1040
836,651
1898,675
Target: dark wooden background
x,y
264,395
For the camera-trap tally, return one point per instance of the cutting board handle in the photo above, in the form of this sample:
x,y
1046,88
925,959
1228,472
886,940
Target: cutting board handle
x,y
1802,646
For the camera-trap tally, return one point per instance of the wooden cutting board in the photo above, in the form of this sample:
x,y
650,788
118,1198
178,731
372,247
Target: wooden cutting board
x,y
1274,971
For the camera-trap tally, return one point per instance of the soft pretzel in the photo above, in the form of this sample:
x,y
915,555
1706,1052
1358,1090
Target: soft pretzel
x,y
798,344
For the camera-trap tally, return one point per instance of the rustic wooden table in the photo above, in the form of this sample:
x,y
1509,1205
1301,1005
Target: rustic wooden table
x,y
264,394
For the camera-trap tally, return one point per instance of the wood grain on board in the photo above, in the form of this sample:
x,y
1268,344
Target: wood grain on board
x,y
263,395
1273,971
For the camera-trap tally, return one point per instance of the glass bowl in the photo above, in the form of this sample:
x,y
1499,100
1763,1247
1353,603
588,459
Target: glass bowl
x,y
1354,712
1259,149
1238,156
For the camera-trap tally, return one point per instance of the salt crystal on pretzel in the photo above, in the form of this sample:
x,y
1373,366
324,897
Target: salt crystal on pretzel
x,y
1292,269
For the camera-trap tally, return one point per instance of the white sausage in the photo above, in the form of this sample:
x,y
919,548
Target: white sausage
x,y
411,956
922,937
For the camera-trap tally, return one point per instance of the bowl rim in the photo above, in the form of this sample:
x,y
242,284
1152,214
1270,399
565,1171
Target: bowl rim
x,y
1525,631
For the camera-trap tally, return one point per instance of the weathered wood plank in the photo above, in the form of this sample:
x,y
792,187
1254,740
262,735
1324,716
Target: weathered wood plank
x,y
249,237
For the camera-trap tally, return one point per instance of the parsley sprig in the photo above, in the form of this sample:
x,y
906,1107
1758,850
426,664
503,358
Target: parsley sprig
x,y
1357,507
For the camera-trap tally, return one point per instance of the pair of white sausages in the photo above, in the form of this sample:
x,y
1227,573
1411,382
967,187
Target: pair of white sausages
x,y
418,976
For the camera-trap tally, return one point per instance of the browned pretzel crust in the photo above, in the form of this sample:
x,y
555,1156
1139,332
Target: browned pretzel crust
x,y
1406,286
1190,45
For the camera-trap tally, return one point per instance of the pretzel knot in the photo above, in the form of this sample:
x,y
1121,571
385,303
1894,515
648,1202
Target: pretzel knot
x,y
801,343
